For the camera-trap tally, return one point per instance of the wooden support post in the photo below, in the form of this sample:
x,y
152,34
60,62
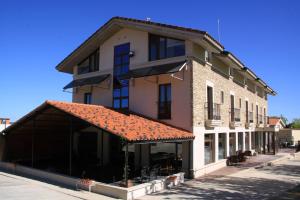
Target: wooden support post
x,y
176,158
70,146
126,166
32,144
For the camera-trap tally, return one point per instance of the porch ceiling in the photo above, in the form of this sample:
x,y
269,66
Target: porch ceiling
x,y
54,115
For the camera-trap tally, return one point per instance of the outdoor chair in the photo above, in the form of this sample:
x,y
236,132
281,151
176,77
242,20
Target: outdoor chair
x,y
171,181
241,156
248,154
144,174
233,159
154,172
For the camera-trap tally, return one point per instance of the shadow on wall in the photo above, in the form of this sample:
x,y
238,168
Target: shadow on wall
x,y
234,187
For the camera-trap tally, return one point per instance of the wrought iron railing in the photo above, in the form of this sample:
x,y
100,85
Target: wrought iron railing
x,y
260,119
235,115
213,111
249,117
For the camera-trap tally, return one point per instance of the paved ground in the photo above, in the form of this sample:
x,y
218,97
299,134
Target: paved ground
x,y
19,188
238,182
269,182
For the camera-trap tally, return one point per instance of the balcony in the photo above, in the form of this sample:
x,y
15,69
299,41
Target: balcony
x,y
212,115
249,120
235,117
260,121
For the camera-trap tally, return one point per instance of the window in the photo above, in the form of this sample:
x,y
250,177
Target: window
x,y
232,144
240,141
209,148
252,140
247,112
164,102
247,141
162,47
222,146
88,98
210,105
240,102
222,96
121,87
90,64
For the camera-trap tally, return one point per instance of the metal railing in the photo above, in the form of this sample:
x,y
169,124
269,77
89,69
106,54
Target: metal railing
x,y
235,115
260,119
212,111
250,117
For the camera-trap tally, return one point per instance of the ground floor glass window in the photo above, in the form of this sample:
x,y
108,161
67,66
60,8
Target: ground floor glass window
x,y
232,144
209,148
247,141
222,146
252,140
240,141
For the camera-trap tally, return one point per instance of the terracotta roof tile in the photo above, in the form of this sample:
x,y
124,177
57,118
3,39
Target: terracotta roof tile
x,y
273,120
128,126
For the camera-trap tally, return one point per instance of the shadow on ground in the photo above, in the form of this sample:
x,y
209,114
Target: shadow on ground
x,y
236,188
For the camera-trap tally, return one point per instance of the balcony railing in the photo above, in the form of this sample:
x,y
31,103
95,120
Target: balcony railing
x,y
235,115
213,111
250,117
260,119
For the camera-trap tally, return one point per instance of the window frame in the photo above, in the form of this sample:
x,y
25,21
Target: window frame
x,y
157,44
166,102
87,100
96,55
120,98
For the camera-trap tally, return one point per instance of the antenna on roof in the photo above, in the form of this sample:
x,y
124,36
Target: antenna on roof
x,y
219,30
148,19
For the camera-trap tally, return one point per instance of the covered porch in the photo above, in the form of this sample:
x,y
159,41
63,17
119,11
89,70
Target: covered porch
x,y
95,142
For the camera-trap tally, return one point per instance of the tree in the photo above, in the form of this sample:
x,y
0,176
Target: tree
x,y
284,119
295,123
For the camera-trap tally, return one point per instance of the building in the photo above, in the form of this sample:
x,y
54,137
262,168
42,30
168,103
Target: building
x,y
289,137
276,122
162,95
4,123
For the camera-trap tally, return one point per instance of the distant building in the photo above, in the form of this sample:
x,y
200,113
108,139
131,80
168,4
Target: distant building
x,y
4,123
276,122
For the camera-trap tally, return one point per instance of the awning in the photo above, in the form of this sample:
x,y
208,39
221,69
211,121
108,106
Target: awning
x,y
54,116
87,81
169,68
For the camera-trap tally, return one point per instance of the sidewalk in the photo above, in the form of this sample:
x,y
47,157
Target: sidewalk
x,y
14,187
255,180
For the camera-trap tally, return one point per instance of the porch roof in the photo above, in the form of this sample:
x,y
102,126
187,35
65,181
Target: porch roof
x,y
130,127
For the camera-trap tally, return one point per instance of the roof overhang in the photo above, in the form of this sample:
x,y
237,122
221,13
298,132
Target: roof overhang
x,y
132,128
117,23
228,58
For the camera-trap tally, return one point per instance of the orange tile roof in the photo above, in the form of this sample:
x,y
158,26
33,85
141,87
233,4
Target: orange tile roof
x,y
131,127
273,120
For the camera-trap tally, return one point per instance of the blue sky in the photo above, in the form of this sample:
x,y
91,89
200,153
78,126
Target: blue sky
x,y
36,35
